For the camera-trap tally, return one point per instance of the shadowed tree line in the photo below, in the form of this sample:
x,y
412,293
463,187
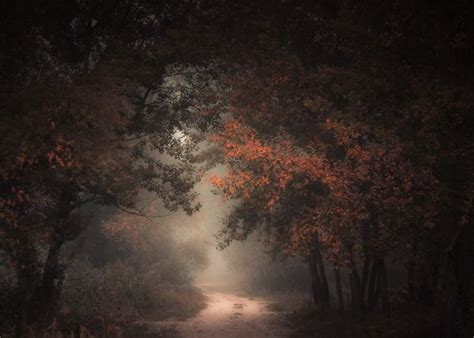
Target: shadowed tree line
x,y
349,143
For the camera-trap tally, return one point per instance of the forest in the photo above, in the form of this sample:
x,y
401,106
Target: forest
x,y
216,168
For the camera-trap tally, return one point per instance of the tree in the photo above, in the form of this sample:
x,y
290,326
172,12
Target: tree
x,y
98,128
347,117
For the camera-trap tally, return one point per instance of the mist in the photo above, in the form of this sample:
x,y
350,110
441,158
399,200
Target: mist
x,y
214,168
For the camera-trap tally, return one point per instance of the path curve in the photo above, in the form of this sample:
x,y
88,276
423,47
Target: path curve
x,y
229,315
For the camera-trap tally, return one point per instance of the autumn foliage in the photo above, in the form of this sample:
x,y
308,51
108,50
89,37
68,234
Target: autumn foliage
x,y
345,128
341,162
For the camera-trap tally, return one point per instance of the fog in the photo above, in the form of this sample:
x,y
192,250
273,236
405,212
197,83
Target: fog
x,y
202,227
214,168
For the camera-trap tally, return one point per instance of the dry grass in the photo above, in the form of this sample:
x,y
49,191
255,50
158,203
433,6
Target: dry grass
x,y
407,321
175,301
290,301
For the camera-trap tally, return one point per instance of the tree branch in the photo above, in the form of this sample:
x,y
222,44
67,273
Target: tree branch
x,y
140,214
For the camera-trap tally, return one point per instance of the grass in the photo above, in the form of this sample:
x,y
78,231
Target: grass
x,y
180,302
164,302
405,321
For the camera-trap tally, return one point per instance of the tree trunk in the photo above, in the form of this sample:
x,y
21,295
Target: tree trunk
x,y
356,293
315,280
340,299
47,293
411,279
384,287
322,275
353,301
429,279
318,275
28,277
365,276
324,284
376,295
458,318
371,286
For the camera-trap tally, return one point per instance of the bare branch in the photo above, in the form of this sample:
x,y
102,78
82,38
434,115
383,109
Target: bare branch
x,y
141,214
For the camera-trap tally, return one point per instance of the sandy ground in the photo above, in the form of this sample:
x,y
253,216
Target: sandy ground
x,y
228,315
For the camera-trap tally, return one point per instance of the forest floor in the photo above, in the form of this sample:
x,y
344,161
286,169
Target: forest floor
x,y
227,314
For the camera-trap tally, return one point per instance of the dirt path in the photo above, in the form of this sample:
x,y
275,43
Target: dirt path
x,y
229,315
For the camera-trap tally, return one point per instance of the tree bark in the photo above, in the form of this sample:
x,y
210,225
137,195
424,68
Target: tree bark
x,y
324,284
411,289
356,292
457,312
318,275
372,287
384,287
429,278
28,277
315,280
47,294
322,275
340,299
365,276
